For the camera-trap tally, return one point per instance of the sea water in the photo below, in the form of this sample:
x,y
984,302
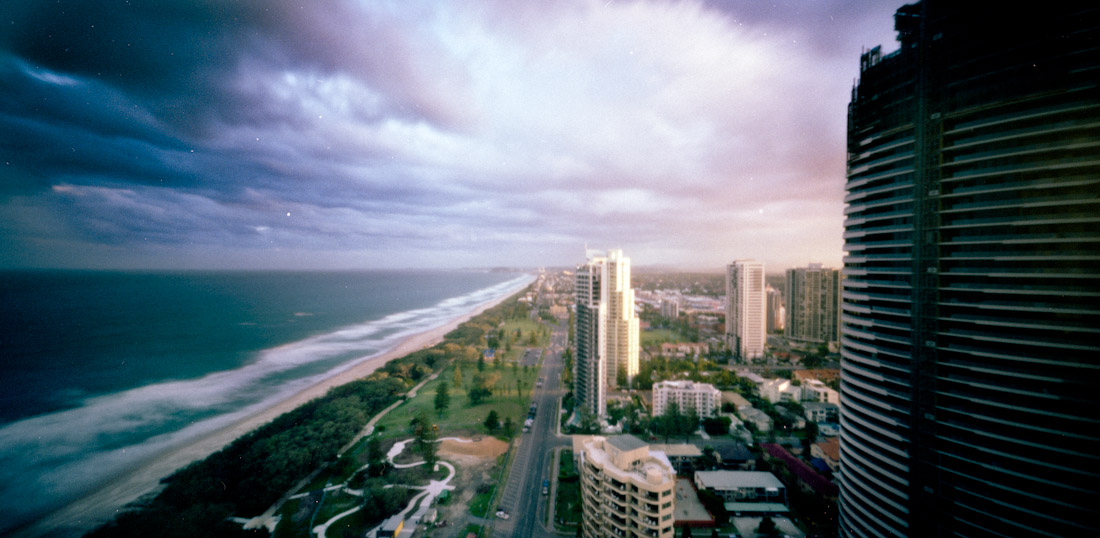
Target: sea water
x,y
102,371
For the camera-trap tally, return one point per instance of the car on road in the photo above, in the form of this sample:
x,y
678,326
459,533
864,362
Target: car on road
x,y
545,487
502,514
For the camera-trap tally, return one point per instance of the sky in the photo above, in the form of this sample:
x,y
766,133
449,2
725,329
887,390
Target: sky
x,y
340,134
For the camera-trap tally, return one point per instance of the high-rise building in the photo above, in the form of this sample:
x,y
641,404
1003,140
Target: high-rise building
x,y
813,304
745,305
620,346
702,397
605,330
589,370
775,312
970,329
626,490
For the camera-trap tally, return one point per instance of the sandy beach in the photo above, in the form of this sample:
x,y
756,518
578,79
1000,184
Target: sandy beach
x,y
102,505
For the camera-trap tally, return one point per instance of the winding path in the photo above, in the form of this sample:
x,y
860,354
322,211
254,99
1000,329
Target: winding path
x,y
422,502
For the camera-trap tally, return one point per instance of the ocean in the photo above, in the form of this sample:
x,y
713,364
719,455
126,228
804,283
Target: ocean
x,y
104,370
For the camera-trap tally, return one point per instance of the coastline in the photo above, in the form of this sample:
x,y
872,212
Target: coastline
x,y
110,499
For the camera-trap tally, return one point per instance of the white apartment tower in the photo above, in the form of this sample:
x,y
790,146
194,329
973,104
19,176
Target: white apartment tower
x,y
620,344
589,370
606,330
702,397
745,309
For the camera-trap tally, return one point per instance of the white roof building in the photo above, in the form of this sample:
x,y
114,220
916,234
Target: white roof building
x,y
702,397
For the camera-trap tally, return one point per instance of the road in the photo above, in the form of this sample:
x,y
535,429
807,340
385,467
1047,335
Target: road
x,y
522,495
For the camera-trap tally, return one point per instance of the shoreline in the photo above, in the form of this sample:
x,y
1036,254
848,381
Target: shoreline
x,y
102,505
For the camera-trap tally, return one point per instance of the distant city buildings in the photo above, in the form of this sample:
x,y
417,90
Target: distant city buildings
x,y
969,383
670,308
745,306
626,490
688,395
813,304
605,329
775,315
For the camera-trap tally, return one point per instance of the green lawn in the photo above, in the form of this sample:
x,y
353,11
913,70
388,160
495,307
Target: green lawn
x,y
479,505
656,337
461,418
567,499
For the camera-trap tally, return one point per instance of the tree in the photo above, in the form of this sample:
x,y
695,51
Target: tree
x,y
767,527
478,395
509,427
690,423
492,422
620,378
589,422
374,449
717,425
424,437
442,399
458,374
481,362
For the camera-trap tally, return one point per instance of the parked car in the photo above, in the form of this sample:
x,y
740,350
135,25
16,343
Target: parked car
x,y
502,514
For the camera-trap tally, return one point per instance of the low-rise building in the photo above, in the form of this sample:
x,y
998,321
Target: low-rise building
x,y
625,488
684,457
815,391
684,349
796,420
829,452
757,418
780,390
738,401
746,492
702,397
821,411
734,457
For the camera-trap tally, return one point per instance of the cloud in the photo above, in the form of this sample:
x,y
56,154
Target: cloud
x,y
494,133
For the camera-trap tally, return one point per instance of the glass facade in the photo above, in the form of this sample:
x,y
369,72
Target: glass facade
x,y
970,382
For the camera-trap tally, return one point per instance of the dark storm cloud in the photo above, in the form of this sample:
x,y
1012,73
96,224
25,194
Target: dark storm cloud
x,y
346,132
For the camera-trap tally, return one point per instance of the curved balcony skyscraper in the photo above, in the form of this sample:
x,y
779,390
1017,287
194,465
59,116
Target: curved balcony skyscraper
x,y
970,379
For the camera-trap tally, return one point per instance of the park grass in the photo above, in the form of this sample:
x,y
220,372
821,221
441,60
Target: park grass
x,y
462,419
479,505
656,337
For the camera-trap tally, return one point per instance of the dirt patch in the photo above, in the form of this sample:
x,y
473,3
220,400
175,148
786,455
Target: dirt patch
x,y
476,467
463,451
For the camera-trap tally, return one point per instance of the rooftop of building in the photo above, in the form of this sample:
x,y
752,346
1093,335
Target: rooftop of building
x,y
644,467
830,447
684,385
821,374
626,442
723,480
819,405
736,399
802,470
680,450
688,509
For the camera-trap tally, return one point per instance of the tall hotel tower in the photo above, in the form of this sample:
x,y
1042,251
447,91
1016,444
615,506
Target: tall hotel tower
x,y
813,304
745,307
606,331
970,379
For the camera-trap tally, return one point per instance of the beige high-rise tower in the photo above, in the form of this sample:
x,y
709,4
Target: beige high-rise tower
x,y
620,337
745,306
